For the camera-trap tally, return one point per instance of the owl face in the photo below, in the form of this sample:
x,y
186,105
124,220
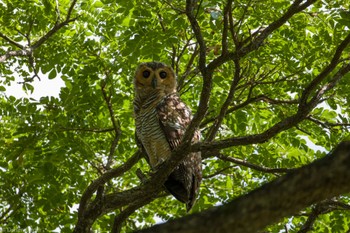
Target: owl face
x,y
155,76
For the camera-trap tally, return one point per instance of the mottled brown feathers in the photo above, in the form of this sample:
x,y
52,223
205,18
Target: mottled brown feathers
x,y
161,120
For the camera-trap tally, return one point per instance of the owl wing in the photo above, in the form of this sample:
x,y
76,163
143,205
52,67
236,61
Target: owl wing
x,y
174,117
183,183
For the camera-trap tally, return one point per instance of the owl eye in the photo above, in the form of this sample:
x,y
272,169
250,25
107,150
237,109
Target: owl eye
x,y
146,73
163,74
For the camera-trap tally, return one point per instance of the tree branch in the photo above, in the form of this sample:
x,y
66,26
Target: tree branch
x,y
332,65
327,124
224,39
322,208
16,44
220,171
29,51
236,77
258,41
286,195
116,127
207,76
259,168
120,218
303,110
58,25
263,98
87,130
16,53
83,218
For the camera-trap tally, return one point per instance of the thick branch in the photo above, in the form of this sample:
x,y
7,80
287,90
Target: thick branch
x,y
285,196
18,53
148,190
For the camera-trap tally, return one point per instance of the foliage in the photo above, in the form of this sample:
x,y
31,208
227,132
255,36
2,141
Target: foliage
x,y
53,148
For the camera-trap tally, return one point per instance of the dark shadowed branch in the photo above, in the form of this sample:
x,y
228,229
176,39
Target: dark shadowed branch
x,y
207,76
6,38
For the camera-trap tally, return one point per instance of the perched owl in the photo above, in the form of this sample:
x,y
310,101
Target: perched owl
x,y
161,120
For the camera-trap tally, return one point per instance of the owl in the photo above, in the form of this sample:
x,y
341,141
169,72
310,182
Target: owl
x,y
161,120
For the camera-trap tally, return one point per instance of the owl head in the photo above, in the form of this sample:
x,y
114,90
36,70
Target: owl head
x,y
151,77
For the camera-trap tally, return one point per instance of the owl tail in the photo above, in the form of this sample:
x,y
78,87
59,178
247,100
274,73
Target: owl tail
x,y
182,188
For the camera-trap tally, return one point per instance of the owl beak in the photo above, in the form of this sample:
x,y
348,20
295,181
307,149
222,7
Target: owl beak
x,y
154,82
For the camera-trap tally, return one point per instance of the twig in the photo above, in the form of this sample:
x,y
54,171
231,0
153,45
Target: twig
x,y
251,100
104,178
240,21
87,130
188,69
326,124
18,45
120,218
258,40
319,78
116,127
217,172
224,44
259,168
319,209
237,76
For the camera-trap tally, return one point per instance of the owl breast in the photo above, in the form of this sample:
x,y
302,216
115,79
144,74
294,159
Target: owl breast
x,y
151,135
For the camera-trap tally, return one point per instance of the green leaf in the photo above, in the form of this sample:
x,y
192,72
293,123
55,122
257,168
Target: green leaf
x,y
52,74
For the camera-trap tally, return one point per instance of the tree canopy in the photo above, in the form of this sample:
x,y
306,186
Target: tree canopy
x,y
268,83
